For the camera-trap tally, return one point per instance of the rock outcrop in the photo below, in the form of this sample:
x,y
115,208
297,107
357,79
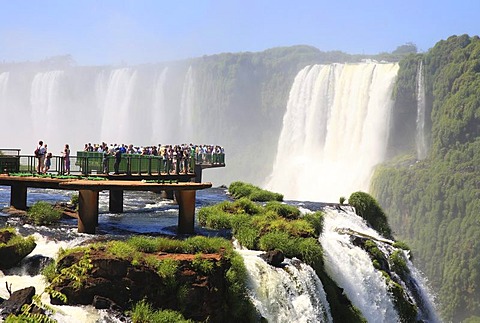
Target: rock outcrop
x,y
113,282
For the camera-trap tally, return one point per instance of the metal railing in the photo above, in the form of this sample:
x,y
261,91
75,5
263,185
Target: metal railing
x,y
94,163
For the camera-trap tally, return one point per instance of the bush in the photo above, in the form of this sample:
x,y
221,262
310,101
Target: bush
x,y
369,209
254,193
143,312
42,213
316,221
284,210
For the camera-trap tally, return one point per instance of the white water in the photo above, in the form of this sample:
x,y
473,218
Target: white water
x,y
19,280
187,108
420,139
335,130
44,99
290,294
116,104
160,111
352,268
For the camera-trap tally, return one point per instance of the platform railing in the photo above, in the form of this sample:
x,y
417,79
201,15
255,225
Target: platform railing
x,y
94,163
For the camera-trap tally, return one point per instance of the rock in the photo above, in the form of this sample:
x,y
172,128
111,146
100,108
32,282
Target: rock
x,y
273,258
102,303
33,265
10,256
116,284
14,304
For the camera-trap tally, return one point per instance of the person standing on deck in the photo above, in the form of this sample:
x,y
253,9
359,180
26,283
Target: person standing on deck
x,y
40,153
66,159
118,159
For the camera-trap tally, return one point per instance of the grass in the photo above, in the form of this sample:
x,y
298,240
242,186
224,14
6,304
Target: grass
x,y
43,213
254,193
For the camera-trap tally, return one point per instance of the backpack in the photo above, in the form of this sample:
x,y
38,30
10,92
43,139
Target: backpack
x,y
37,152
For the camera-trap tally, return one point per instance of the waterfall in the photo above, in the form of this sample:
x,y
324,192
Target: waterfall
x,y
420,134
351,267
18,279
160,113
187,108
44,97
290,294
116,104
335,130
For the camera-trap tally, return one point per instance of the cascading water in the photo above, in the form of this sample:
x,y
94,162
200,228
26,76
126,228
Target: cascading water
x,y
159,108
335,130
186,108
351,267
420,139
116,106
290,294
44,99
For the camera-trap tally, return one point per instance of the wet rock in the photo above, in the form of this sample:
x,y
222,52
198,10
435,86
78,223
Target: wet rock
x,y
14,304
33,265
10,256
274,257
102,303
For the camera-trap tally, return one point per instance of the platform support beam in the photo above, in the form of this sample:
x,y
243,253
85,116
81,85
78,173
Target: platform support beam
x,y
186,210
18,196
115,201
87,211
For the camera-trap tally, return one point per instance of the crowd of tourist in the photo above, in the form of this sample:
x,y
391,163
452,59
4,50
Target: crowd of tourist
x,y
176,157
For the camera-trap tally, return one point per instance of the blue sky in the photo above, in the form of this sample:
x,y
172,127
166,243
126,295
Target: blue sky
x,y
97,32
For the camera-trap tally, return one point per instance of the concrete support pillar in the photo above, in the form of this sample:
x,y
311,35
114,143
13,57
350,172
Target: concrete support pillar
x,y
168,194
18,196
87,211
186,211
115,201
198,173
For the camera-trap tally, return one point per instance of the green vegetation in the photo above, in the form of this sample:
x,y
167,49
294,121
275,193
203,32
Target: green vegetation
x,y
274,226
254,193
43,213
142,250
434,204
143,312
22,245
369,209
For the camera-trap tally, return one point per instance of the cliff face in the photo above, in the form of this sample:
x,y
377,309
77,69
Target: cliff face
x,y
198,295
433,204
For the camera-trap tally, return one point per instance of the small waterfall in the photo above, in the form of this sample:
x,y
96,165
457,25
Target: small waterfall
x,y
19,280
44,99
116,104
187,108
351,267
290,294
335,130
420,139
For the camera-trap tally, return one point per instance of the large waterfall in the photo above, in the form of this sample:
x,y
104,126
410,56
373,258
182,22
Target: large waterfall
x,y
335,130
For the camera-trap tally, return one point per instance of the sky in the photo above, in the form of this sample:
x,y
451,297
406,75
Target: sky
x,y
109,32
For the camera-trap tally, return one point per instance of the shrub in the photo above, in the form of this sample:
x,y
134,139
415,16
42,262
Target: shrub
x,y
284,210
398,263
369,209
204,266
316,221
42,213
248,206
143,312
254,193
342,200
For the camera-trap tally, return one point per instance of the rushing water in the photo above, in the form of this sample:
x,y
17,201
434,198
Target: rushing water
x,y
335,130
293,293
420,139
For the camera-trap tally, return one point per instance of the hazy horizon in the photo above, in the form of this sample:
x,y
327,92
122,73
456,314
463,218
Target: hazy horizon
x,y
146,31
